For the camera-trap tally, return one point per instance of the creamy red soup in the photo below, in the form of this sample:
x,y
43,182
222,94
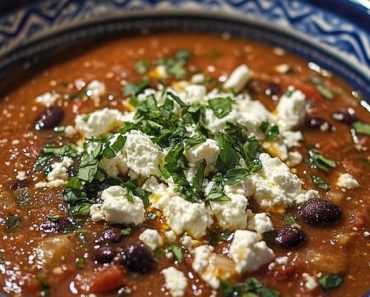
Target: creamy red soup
x,y
184,165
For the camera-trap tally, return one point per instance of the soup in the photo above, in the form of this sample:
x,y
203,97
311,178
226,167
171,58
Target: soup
x,y
184,165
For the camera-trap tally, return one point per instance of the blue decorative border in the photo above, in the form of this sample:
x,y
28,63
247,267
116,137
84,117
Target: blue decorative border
x,y
338,36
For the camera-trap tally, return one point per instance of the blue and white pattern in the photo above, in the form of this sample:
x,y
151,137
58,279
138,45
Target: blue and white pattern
x,y
336,35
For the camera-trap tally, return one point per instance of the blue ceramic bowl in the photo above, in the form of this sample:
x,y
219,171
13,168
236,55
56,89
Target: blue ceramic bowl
x,y
332,33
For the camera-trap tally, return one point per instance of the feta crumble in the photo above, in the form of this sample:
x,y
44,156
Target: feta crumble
x,y
291,109
248,252
207,150
238,78
98,122
184,216
58,175
260,223
141,155
95,90
347,181
47,99
117,207
151,238
175,281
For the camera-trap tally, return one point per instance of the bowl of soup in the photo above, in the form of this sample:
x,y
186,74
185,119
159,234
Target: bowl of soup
x,y
184,148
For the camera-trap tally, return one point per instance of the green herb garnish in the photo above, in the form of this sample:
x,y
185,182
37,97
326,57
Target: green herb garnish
x,y
250,288
321,162
12,222
176,251
330,281
221,106
289,219
320,183
362,128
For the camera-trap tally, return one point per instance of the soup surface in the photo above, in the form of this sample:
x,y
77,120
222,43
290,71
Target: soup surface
x,y
184,165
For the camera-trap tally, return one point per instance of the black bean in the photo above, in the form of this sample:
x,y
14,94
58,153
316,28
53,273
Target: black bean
x,y
320,212
367,294
345,116
110,235
272,89
316,123
19,184
289,237
60,225
49,118
254,86
105,254
138,258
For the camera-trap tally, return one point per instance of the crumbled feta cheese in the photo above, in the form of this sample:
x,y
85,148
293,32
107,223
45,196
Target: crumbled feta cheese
x,y
99,122
141,155
195,94
151,238
95,90
347,181
248,252
310,281
114,166
294,159
159,72
58,175
170,235
238,78
291,109
292,138
203,264
282,260
276,185
260,223
175,281
187,241
198,78
21,175
207,150
69,131
282,68
231,215
185,216
161,193
47,99
118,208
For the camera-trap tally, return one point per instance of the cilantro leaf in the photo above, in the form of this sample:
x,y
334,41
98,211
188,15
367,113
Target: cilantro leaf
x,y
235,175
321,162
228,157
177,252
198,179
320,183
330,281
132,89
362,128
220,106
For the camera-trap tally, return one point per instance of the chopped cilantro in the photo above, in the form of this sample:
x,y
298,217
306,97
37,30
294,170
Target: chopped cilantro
x,y
45,287
235,175
126,231
320,183
271,131
142,67
289,219
330,281
321,162
198,179
176,66
323,90
228,157
176,251
132,89
250,288
80,263
221,106
12,222
362,128
22,197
